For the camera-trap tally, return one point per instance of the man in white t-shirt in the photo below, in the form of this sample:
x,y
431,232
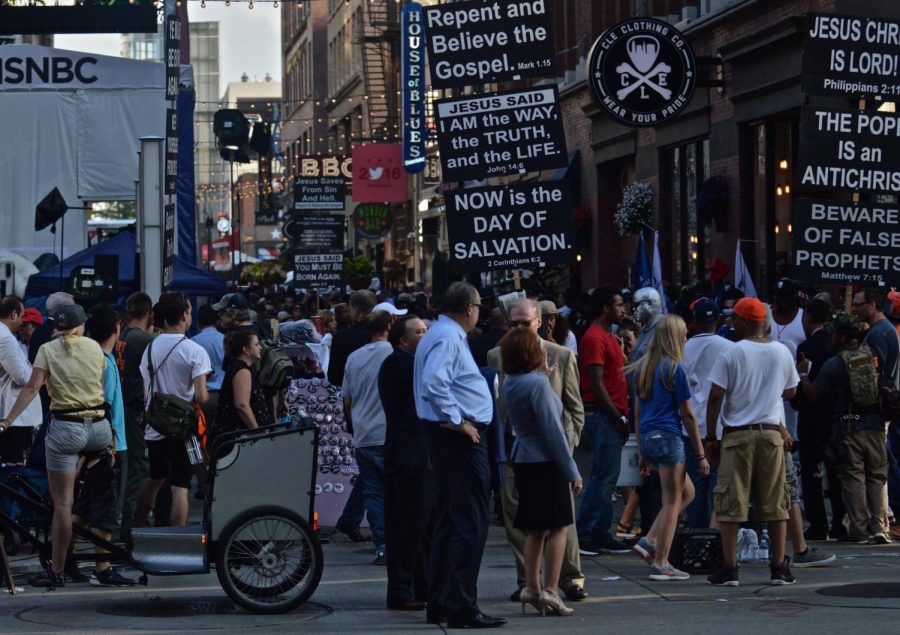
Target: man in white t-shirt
x,y
787,328
749,382
700,353
180,368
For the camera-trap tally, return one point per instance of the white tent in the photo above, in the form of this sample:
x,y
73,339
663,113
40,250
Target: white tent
x,y
70,120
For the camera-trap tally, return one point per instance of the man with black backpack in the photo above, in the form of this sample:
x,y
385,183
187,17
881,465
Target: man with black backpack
x,y
175,367
851,379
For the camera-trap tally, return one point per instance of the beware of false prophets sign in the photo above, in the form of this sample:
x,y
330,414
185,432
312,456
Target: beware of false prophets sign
x,y
846,242
506,227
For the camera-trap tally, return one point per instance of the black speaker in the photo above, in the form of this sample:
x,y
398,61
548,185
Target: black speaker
x,y
261,139
107,267
231,127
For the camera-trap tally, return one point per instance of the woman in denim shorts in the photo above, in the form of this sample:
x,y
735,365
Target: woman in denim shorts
x,y
71,367
663,403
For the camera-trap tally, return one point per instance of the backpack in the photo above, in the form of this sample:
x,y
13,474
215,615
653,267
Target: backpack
x,y
863,377
276,369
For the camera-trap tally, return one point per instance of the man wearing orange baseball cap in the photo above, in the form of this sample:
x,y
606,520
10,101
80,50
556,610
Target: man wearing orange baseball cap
x,y
749,381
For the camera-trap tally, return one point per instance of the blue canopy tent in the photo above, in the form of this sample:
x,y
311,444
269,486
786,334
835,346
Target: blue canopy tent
x,y
187,278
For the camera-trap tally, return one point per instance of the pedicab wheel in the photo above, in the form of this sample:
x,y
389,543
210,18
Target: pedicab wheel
x,y
268,561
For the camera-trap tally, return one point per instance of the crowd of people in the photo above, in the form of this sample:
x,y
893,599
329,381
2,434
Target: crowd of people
x,y
460,401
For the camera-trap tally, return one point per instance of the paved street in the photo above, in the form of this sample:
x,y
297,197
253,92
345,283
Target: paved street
x,y
351,598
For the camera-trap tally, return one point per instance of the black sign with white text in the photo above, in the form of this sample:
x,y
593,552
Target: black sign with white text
x,y
171,150
642,71
512,132
846,242
851,56
510,227
168,270
173,56
316,231
476,42
320,193
318,270
849,150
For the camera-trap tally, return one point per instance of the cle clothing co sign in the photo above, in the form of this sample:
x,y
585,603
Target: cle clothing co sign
x,y
642,71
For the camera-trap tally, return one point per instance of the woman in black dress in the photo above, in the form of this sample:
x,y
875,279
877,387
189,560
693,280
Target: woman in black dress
x,y
544,468
242,402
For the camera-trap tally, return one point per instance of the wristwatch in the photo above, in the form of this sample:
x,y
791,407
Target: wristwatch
x,y
624,419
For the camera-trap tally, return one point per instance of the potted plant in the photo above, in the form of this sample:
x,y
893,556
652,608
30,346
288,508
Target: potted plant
x,y
712,202
636,209
358,272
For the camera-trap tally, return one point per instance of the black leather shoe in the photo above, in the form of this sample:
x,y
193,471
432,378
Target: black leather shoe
x,y
516,595
353,533
575,593
406,605
477,621
435,615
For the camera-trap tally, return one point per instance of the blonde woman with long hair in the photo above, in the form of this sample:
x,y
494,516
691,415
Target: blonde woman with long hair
x,y
663,405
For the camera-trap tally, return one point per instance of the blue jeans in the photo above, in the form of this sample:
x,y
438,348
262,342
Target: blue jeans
x,y
371,473
699,512
662,448
596,511
354,508
893,478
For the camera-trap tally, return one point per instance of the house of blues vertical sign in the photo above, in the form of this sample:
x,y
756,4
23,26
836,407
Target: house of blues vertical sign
x,y
413,88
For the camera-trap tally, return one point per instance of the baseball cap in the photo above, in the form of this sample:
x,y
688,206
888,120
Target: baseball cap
x,y
843,324
32,316
786,288
69,316
548,308
387,307
705,310
750,309
231,301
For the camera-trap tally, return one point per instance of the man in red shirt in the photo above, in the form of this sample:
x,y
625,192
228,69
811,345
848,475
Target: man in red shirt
x,y
605,396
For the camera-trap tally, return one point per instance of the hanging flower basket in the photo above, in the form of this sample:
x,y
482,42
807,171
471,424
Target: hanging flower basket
x,y
635,210
712,202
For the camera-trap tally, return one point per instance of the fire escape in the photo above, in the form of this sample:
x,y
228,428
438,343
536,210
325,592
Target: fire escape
x,y
380,40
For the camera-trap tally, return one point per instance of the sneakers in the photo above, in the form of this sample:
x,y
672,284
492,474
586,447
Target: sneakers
x,y
588,549
380,558
723,575
812,558
48,579
645,550
881,538
353,533
109,577
667,572
614,546
781,573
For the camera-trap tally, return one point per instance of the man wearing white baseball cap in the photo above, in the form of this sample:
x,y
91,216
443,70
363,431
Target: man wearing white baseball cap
x,y
389,308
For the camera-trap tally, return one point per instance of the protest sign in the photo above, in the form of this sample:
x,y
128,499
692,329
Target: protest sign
x,y
511,132
471,43
642,72
850,150
851,56
319,192
846,242
173,56
508,227
315,231
318,270
171,151
168,259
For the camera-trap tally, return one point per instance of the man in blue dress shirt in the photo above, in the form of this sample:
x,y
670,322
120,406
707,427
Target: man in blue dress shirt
x,y
453,398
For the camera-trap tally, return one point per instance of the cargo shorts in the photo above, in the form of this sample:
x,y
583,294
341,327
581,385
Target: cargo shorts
x,y
752,461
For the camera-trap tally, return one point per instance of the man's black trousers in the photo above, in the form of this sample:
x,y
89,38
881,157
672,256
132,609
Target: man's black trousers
x,y
463,476
408,494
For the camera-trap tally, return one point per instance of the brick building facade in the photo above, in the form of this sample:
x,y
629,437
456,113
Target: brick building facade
x,y
745,130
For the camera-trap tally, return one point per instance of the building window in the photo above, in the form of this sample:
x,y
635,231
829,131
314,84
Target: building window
x,y
688,167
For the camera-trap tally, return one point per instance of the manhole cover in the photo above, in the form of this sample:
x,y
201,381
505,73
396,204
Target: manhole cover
x,y
872,591
167,608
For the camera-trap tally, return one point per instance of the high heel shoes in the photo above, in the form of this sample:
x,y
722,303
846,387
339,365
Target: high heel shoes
x,y
552,604
532,598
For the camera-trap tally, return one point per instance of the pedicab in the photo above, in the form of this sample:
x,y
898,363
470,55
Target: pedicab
x,y
258,529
